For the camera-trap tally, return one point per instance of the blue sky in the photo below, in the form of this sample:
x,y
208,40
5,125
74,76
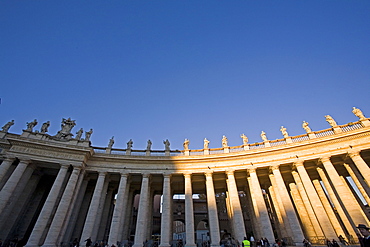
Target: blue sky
x,y
183,69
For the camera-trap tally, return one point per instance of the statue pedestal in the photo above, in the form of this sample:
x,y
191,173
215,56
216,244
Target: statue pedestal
x,y
365,122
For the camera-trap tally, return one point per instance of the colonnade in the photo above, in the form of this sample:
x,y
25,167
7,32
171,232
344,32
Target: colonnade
x,y
295,200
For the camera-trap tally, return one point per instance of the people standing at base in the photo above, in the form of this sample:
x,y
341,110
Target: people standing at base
x,y
364,230
335,243
88,242
246,242
329,243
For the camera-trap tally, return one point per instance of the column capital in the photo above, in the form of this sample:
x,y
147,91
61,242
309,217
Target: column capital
x,y
230,172
252,169
124,174
325,159
298,163
146,175
9,157
353,154
166,175
208,173
187,174
274,167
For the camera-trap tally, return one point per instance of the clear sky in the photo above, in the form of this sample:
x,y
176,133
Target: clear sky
x,y
183,69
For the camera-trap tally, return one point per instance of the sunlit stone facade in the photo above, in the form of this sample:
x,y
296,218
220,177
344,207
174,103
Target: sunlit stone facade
x,y
55,189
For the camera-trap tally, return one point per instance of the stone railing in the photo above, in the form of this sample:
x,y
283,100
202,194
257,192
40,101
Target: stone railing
x,y
241,148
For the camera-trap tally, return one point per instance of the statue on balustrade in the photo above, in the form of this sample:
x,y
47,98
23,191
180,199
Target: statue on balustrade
x,y
263,136
88,135
31,125
111,142
45,127
306,127
79,134
245,139
186,144
149,145
206,143
358,113
284,132
130,143
224,142
331,121
7,126
65,132
166,145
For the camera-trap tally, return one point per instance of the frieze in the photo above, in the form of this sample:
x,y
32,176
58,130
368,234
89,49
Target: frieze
x,y
46,153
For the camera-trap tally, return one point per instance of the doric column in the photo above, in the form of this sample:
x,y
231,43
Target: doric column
x,y
100,210
142,220
329,210
47,209
361,165
166,212
358,183
309,230
279,222
5,165
316,204
52,237
189,212
11,184
237,214
353,209
288,206
105,214
214,228
118,211
93,209
263,217
313,221
335,201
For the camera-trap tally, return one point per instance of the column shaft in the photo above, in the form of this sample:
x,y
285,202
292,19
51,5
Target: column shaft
x,y
4,167
362,166
47,209
52,237
142,220
166,212
214,228
118,211
189,212
237,214
359,185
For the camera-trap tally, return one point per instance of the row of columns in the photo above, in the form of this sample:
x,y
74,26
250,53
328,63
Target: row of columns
x,y
313,205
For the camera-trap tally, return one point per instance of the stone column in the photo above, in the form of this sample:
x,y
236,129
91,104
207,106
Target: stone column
x,y
361,165
142,221
166,212
263,216
127,219
316,204
8,189
214,228
237,214
189,212
329,210
358,183
353,209
47,209
288,206
310,212
340,210
99,215
279,222
52,237
118,211
93,209
5,165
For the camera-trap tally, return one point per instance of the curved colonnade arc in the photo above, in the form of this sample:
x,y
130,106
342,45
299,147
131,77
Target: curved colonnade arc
x,y
56,192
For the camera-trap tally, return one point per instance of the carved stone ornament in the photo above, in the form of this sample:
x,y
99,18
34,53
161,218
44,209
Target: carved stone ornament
x,y
7,126
65,132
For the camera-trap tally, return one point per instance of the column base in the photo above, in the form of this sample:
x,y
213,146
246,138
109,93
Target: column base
x,y
190,245
138,245
164,245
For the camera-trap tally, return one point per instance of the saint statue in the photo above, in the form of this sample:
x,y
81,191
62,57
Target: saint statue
x,y
7,126
358,113
88,134
224,141
186,144
166,145
206,143
130,143
263,136
245,139
331,121
44,127
284,132
65,132
79,134
30,125
306,127
149,145
111,142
